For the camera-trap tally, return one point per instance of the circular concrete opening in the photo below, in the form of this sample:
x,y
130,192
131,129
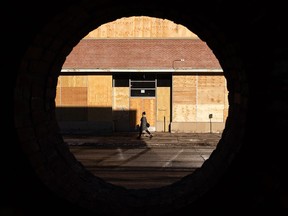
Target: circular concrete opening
x,y
39,133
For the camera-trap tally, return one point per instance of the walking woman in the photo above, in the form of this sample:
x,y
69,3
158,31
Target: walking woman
x,y
144,125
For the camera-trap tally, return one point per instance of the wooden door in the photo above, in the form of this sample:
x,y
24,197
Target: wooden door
x,y
139,105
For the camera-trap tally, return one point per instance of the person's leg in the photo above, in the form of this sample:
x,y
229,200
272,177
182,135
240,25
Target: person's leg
x,y
149,133
140,133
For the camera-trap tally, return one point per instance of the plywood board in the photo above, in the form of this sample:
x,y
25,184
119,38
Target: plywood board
x,y
73,96
139,105
211,95
72,81
195,97
184,97
183,81
100,114
150,109
71,114
211,80
135,111
216,110
120,98
100,91
121,110
184,113
163,104
184,89
58,96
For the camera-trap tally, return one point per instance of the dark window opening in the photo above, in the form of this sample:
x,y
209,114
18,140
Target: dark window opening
x,y
142,85
164,80
121,80
143,76
142,93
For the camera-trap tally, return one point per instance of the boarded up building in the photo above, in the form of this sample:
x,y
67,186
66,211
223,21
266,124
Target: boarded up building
x,y
141,64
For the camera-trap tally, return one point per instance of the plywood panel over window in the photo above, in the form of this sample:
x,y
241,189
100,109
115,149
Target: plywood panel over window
x,y
184,98
197,96
99,98
184,89
121,98
184,113
73,81
211,98
184,81
211,95
71,91
211,80
100,91
203,112
73,96
121,108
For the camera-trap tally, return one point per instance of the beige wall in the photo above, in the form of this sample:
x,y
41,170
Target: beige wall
x,y
194,98
91,103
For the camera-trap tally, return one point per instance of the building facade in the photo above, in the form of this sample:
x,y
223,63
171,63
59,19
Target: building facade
x,y
141,64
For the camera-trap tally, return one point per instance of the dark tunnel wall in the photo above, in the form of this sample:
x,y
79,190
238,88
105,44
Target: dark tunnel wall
x,y
248,167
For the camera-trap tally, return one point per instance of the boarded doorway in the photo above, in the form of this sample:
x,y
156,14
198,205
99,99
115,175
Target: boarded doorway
x,y
133,93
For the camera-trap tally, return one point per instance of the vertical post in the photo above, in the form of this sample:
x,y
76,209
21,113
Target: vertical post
x,y
164,124
210,117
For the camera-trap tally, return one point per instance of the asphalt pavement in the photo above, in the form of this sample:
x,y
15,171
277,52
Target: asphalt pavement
x,y
124,160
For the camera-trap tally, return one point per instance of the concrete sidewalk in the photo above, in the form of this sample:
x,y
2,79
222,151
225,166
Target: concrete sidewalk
x,y
130,140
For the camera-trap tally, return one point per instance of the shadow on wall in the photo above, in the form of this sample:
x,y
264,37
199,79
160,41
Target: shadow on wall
x,y
95,120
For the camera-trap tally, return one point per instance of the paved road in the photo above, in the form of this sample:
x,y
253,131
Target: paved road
x,y
123,160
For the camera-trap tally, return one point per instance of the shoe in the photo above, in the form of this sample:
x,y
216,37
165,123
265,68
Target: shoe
x,y
151,136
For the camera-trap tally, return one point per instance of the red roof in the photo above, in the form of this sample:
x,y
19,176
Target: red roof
x,y
141,54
